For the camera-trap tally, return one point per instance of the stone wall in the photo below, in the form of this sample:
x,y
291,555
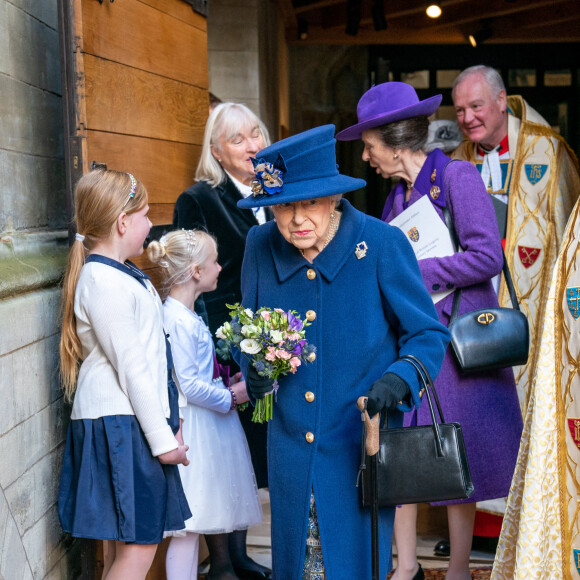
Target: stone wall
x,y
32,255
246,57
326,83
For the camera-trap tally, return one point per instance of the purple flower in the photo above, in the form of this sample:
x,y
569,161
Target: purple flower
x,y
297,350
294,324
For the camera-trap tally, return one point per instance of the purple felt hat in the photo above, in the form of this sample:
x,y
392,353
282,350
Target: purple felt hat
x,y
385,103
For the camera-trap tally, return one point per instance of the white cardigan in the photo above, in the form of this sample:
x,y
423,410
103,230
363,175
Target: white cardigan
x,y
124,368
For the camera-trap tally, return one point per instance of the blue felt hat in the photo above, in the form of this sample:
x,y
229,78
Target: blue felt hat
x,y
297,168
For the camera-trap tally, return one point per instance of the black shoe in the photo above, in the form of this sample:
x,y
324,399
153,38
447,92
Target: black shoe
x,y
442,548
245,574
420,575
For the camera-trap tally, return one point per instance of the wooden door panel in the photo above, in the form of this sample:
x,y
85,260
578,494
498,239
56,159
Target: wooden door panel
x,y
166,168
120,99
161,213
179,10
141,36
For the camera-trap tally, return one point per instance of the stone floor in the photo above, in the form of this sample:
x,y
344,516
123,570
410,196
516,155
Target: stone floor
x,y
431,528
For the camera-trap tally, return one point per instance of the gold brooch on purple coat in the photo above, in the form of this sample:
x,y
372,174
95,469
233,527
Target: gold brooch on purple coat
x,y
434,192
433,175
360,250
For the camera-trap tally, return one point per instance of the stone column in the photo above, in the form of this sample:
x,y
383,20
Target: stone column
x,y
244,45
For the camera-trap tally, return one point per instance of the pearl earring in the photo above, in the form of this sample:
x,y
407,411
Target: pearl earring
x,y
395,156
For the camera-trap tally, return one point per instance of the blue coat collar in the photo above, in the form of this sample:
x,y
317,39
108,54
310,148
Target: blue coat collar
x,y
288,260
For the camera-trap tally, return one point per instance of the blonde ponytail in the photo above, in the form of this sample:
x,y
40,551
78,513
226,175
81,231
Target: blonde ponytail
x,y
70,345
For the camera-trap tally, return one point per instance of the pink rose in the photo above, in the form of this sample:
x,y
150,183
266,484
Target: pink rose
x,y
282,354
293,336
295,363
265,315
271,354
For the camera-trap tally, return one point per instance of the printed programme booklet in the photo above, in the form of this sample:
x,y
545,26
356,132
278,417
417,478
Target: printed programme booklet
x,y
428,235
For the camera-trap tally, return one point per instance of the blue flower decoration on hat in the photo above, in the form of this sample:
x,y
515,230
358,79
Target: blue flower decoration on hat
x,y
268,180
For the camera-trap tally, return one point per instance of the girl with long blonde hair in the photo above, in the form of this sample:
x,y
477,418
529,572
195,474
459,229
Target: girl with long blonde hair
x,y
119,481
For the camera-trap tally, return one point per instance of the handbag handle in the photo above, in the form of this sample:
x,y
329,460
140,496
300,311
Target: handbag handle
x,y
428,385
457,246
370,436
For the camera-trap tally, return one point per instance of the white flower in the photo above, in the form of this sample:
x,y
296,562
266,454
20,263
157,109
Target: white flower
x,y
250,346
220,333
250,330
276,336
248,312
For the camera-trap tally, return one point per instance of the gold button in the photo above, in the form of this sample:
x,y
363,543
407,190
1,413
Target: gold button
x,y
310,315
309,396
309,437
311,274
311,357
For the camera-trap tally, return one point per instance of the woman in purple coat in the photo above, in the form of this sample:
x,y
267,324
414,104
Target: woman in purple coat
x,y
393,125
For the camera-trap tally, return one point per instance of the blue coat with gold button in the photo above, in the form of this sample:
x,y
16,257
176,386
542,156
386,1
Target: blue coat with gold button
x,y
368,311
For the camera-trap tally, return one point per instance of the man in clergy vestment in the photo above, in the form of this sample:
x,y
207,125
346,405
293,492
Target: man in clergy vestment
x,y
532,176
540,536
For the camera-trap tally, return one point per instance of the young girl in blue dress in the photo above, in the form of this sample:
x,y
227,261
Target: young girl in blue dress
x,y
219,484
120,481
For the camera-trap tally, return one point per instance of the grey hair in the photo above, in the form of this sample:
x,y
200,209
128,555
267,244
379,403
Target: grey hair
x,y
225,121
491,76
409,133
177,251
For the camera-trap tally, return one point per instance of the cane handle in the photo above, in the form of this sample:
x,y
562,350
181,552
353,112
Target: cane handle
x,y
372,425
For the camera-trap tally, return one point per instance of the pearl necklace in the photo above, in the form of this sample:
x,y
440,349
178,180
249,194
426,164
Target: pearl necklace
x,y
332,228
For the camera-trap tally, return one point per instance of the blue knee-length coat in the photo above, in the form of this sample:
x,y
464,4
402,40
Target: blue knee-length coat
x,y
369,311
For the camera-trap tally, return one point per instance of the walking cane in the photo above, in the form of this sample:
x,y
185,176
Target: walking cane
x,y
372,448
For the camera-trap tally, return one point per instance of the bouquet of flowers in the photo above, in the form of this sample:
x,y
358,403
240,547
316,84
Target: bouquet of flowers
x,y
273,340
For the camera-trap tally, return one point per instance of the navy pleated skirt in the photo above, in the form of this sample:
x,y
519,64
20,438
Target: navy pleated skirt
x,y
112,488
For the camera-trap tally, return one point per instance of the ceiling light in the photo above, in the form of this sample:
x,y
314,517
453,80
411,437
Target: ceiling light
x,y
480,36
433,11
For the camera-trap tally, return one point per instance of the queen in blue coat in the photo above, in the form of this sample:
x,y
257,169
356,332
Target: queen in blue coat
x,y
356,279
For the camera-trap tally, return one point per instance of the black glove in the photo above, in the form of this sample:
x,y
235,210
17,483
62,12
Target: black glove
x,y
258,386
387,392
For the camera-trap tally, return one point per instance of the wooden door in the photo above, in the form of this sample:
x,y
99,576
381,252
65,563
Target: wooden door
x,y
135,92
137,99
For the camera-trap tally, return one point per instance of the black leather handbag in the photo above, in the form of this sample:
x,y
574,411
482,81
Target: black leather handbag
x,y
489,338
418,464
